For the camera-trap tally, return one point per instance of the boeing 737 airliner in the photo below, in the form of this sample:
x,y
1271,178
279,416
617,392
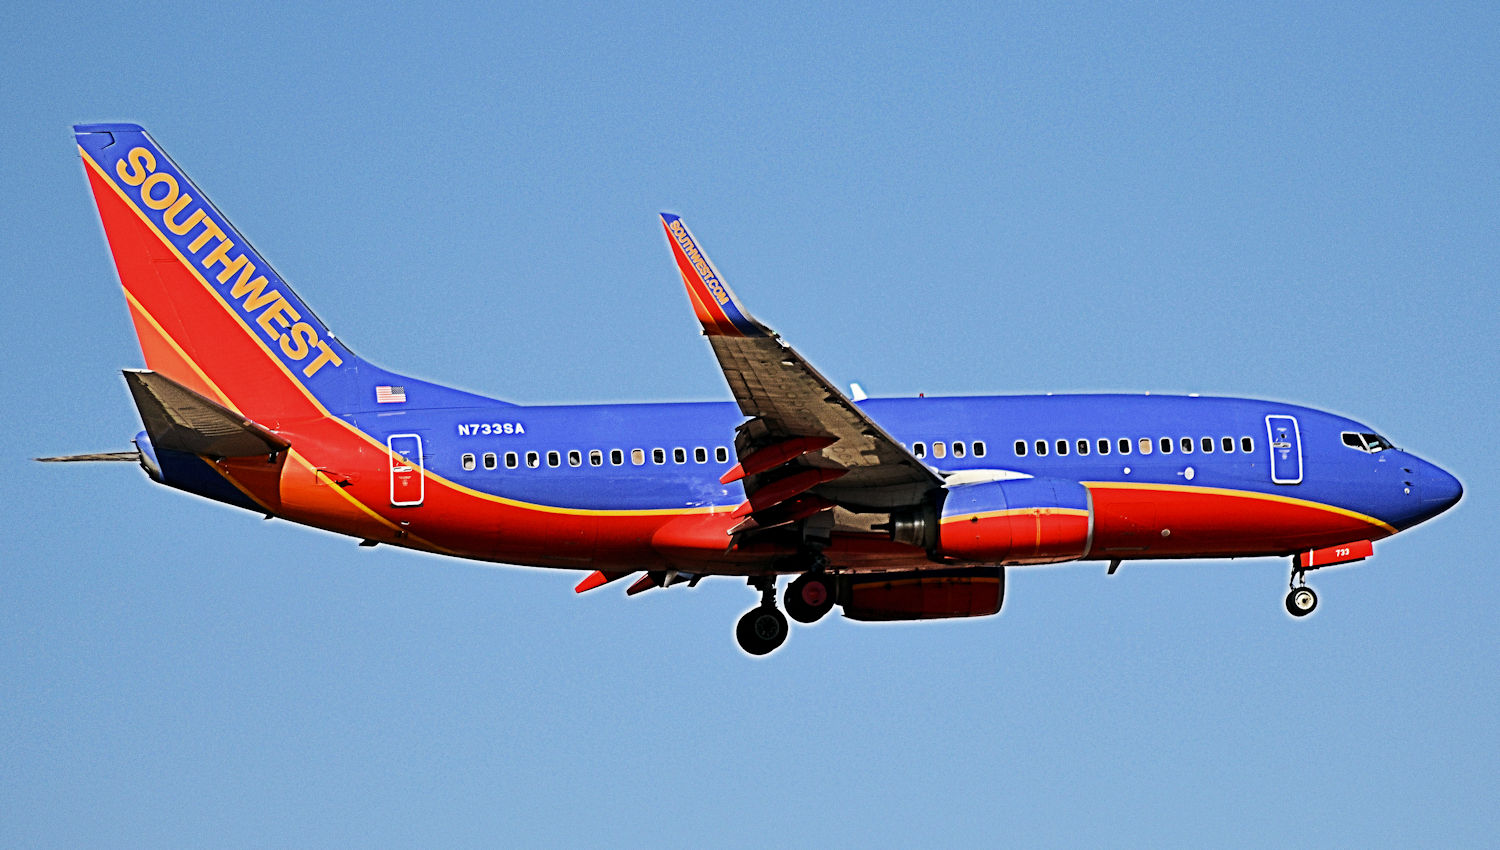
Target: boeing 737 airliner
x,y
892,509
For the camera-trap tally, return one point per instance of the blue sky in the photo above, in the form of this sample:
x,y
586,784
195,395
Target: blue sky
x,y
1289,201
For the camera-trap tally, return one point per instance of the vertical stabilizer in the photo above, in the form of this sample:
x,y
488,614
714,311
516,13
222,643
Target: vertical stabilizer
x,y
210,313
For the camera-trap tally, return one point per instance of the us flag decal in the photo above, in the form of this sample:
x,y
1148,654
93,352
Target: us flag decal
x,y
390,395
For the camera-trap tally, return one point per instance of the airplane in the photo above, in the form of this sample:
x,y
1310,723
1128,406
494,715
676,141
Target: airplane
x,y
888,508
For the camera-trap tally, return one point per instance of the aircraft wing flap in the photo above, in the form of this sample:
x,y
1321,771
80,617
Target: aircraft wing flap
x,y
179,419
779,389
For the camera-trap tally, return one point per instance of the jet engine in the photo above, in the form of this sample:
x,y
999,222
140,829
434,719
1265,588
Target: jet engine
x,y
922,594
1017,521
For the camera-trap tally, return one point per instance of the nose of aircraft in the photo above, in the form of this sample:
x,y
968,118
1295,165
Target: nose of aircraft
x,y
1439,490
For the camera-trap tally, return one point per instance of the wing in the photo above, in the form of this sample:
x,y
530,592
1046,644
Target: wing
x,y
806,446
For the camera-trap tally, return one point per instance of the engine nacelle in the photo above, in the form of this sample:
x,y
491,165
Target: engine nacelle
x,y
1017,521
922,595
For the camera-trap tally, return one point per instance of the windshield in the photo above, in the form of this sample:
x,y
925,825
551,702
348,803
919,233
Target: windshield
x,y
1366,441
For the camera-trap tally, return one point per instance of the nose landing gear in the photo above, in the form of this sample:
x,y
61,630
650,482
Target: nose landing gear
x,y
1300,600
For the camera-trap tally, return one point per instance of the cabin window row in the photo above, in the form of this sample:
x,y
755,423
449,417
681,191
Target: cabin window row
x,y
1125,446
940,448
575,457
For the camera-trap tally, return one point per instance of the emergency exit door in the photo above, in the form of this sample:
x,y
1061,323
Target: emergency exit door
x,y
1286,449
407,482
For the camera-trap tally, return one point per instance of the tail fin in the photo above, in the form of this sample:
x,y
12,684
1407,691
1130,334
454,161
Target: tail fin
x,y
210,313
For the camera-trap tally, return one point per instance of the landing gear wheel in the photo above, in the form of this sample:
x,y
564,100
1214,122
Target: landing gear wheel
x,y
761,630
1301,601
809,597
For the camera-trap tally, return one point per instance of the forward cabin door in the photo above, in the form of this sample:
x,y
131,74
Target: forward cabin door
x,y
1285,448
407,482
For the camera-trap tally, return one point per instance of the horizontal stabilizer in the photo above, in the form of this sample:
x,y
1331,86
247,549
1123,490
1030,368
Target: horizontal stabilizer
x,y
178,419
95,456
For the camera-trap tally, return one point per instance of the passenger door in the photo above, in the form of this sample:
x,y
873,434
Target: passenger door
x,y
407,481
1286,449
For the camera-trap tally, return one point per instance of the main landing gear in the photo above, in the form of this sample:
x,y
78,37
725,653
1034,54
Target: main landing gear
x,y
1300,600
809,596
763,628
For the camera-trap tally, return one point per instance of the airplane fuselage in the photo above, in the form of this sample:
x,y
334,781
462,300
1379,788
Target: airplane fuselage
x,y
596,485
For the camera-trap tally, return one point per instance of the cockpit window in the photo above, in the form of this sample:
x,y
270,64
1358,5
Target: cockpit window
x,y
1366,441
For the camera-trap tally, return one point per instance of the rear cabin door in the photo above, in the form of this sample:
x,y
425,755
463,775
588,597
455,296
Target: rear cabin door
x,y
407,482
1286,449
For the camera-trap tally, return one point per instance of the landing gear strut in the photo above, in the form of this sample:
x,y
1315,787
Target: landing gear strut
x,y
1300,600
763,628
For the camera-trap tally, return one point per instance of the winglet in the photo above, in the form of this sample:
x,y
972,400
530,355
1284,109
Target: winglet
x,y
713,302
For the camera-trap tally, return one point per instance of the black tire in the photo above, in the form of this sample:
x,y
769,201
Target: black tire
x,y
761,630
1301,601
809,597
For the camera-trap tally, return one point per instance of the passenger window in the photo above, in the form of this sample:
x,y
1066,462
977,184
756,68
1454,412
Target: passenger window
x,y
1247,445
1020,448
554,459
510,460
616,457
958,449
979,448
1165,443
489,460
1041,448
575,458
939,449
533,460
1124,445
721,454
1208,444
1104,445
637,456
658,456
1227,444
468,461
679,455
1187,445
1062,448
1145,444
700,455
596,457
919,449
1083,447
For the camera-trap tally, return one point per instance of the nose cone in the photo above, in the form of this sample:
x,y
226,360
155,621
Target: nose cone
x,y
1439,490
